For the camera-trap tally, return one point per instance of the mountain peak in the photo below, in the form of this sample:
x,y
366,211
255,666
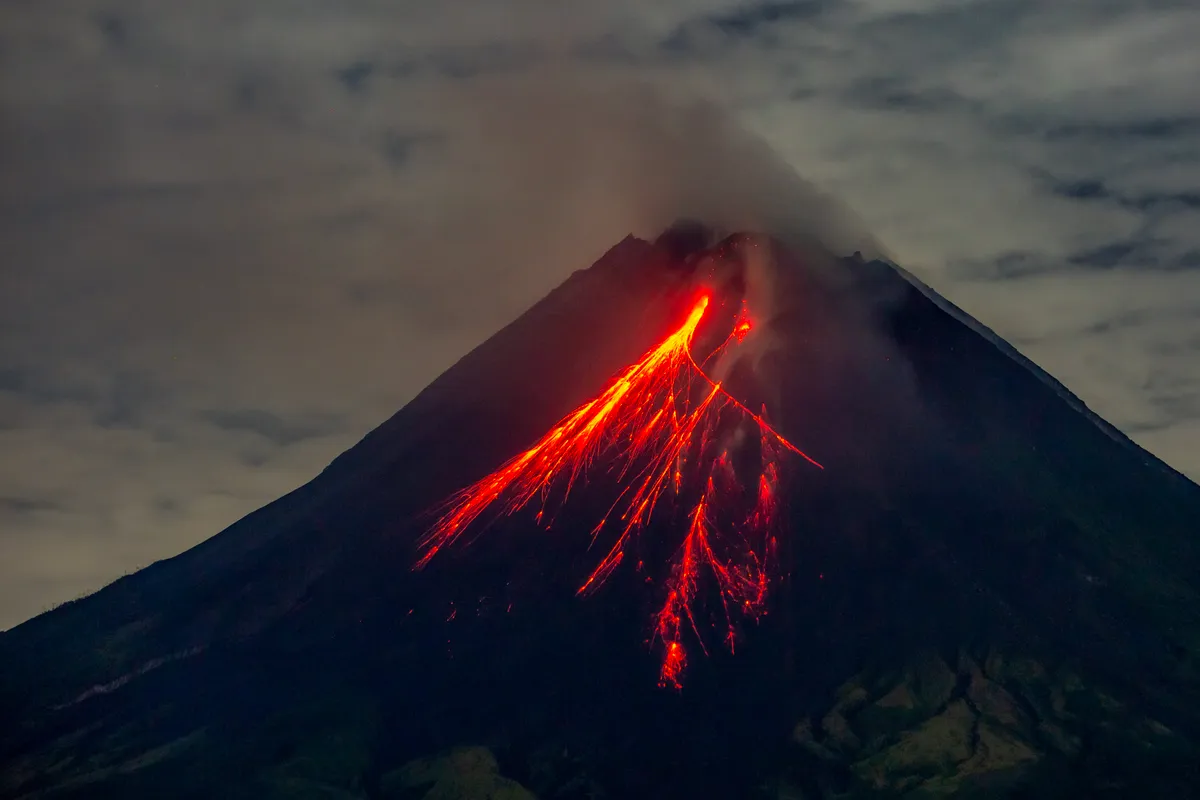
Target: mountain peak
x,y
978,587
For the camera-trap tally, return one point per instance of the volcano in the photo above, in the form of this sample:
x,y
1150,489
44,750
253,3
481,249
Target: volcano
x,y
723,516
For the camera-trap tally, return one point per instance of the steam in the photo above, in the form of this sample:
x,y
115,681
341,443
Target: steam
x,y
587,159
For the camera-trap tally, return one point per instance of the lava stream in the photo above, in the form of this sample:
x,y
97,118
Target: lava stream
x,y
647,420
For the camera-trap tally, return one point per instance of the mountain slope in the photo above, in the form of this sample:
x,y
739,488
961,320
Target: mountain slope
x,y
983,591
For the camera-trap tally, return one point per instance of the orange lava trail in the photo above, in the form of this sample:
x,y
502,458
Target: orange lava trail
x,y
647,419
741,586
624,411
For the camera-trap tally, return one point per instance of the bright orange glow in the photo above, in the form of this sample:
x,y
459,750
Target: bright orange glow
x,y
661,435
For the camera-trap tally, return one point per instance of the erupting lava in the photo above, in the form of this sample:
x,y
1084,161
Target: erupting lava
x,y
658,420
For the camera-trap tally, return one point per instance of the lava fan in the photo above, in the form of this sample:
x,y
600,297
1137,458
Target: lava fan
x,y
674,437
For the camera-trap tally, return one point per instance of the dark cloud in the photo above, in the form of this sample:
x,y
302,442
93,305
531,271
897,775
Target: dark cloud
x,y
25,505
355,76
753,18
13,379
1095,189
892,93
115,30
1112,255
272,427
399,147
168,505
1164,201
758,22
1152,129
1142,253
1006,266
1082,190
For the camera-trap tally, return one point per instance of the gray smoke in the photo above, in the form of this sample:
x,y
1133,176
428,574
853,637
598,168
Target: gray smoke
x,y
601,156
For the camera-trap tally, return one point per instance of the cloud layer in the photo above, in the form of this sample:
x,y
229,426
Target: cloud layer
x,y
238,236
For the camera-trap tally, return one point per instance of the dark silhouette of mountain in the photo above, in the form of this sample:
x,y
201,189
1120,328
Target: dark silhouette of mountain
x,y
986,592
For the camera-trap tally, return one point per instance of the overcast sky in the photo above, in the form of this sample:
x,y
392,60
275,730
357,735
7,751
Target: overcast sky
x,y
235,236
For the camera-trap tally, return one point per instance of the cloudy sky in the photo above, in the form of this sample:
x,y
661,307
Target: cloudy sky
x,y
234,237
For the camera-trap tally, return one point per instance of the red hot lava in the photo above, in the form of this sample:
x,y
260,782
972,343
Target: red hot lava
x,y
656,423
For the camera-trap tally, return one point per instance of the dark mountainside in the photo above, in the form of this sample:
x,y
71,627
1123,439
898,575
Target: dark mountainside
x,y
987,592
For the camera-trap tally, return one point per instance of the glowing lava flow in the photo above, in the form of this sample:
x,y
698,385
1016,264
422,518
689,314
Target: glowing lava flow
x,y
663,439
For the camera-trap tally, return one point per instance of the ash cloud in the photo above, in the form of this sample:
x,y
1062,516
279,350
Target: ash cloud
x,y
605,156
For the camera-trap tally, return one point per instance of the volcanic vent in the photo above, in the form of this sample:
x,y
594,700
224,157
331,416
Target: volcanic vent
x,y
680,449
